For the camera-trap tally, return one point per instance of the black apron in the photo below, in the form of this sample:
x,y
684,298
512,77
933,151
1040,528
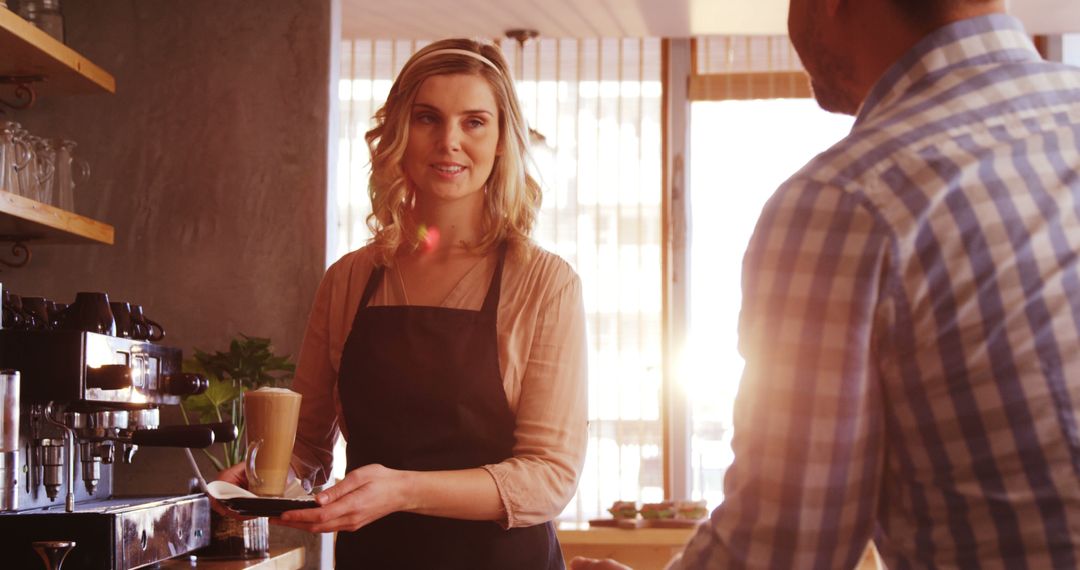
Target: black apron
x,y
421,390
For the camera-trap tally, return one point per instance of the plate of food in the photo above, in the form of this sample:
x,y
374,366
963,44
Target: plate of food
x,y
665,514
691,510
673,514
624,514
246,503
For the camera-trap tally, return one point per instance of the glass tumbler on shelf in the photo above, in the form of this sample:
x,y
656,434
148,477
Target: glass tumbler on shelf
x,y
45,15
14,155
45,163
24,172
38,171
71,171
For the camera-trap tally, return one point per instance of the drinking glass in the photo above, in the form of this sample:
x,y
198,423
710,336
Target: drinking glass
x,y
24,173
71,171
14,155
43,171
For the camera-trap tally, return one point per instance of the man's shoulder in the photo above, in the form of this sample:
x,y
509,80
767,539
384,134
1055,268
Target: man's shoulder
x,y
900,159
961,103
839,166
847,173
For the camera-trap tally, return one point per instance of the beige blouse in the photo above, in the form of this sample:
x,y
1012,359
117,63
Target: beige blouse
x,y
542,357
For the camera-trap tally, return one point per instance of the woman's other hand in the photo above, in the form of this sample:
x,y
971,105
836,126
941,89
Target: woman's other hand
x,y
236,476
363,496
582,563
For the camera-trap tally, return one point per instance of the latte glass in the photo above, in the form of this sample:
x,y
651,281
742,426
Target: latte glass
x,y
270,416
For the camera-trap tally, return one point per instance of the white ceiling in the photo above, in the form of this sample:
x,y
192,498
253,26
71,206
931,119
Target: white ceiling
x,y
433,19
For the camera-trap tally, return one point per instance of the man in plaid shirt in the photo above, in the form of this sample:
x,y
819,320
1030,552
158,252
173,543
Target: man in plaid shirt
x,y
911,312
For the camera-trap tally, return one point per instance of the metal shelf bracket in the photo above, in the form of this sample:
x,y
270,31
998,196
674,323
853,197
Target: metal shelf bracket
x,y
19,251
24,91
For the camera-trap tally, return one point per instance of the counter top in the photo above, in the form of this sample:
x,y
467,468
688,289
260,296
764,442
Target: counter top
x,y
641,548
650,547
281,558
613,536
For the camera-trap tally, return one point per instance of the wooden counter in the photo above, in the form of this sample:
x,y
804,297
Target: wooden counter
x,y
642,549
650,548
281,558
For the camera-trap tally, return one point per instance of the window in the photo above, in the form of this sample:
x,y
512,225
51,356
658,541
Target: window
x,y
748,134
742,151
1070,48
594,106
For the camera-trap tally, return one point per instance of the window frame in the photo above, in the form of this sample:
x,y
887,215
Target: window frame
x,y
683,84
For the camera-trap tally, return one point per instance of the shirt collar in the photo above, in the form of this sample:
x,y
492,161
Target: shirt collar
x,y
995,38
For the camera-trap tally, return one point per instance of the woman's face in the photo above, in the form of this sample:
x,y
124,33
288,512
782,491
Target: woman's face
x,y
453,138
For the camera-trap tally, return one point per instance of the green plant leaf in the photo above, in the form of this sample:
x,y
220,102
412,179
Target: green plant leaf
x,y
248,364
208,405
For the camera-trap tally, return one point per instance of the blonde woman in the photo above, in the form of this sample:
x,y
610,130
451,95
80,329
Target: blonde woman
x,y
450,351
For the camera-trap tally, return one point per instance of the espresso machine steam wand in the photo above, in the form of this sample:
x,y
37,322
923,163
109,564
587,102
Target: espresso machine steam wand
x,y
69,444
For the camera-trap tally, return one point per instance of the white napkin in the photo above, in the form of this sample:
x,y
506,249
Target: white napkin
x,y
222,490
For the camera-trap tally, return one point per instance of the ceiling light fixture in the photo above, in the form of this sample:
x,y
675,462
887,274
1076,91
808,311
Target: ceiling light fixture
x,y
536,139
522,35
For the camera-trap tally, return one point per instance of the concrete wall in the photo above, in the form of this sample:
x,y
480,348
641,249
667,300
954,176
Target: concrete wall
x,y
211,163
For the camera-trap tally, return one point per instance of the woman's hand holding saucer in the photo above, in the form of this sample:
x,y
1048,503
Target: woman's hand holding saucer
x,y
236,476
363,496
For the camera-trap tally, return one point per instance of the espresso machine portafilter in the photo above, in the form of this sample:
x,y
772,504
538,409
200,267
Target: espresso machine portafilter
x,y
76,404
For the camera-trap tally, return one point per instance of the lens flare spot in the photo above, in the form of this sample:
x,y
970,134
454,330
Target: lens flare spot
x,y
428,237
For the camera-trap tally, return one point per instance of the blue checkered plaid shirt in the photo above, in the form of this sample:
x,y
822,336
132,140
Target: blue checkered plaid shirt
x,y
911,328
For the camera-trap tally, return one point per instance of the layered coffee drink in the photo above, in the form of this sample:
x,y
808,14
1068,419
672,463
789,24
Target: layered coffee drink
x,y
270,416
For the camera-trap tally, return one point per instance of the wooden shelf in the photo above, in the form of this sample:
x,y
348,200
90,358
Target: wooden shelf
x,y
31,222
26,50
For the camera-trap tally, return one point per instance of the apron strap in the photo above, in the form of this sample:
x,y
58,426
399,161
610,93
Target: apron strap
x,y
372,285
491,301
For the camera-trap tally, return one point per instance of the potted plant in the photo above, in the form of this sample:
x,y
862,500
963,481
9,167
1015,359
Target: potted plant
x,y
248,364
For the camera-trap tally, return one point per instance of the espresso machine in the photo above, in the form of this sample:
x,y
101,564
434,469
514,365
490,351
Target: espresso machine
x,y
82,403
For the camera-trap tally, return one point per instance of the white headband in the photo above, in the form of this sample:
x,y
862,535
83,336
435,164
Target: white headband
x,y
456,51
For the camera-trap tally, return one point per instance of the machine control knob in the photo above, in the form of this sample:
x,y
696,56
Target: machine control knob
x,y
109,377
185,384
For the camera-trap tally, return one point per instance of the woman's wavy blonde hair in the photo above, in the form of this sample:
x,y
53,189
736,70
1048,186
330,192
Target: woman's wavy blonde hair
x,y
511,198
